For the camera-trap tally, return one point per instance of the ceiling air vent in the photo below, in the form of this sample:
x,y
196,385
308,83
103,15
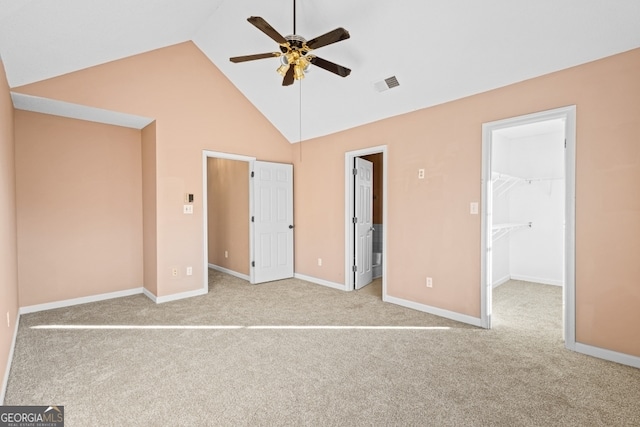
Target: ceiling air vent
x,y
388,83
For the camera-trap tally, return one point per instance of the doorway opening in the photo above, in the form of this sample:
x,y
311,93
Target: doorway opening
x,y
228,237
365,216
528,202
247,217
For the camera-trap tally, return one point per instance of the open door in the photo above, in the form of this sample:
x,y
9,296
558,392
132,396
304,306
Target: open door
x,y
272,222
363,170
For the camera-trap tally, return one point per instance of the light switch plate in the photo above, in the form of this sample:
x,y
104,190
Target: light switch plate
x,y
473,208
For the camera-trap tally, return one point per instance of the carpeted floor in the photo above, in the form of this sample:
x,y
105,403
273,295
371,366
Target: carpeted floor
x,y
294,353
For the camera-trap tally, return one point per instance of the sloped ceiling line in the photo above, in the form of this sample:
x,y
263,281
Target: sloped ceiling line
x,y
54,107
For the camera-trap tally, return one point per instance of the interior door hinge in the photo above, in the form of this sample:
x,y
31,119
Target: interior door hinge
x,y
253,174
565,143
354,268
253,219
355,220
253,263
355,171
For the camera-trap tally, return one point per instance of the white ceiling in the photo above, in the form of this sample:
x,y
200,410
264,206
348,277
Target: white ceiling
x,y
438,50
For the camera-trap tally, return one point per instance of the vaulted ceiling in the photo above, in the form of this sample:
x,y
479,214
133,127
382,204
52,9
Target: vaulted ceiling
x,y
439,50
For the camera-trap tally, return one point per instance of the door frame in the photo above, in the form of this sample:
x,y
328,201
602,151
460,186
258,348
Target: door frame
x,y
569,307
206,154
349,194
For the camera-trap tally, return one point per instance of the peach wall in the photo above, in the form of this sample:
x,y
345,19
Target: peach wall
x,y
228,214
149,211
8,251
430,231
79,207
196,108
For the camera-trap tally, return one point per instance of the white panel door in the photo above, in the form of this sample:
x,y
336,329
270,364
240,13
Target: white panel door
x,y
272,221
364,222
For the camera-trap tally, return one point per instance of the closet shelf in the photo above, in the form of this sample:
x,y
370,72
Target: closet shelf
x,y
503,182
500,230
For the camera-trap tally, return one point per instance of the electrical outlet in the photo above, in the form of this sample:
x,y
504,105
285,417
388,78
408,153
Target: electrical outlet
x,y
420,173
226,254
189,271
174,271
429,282
320,262
188,209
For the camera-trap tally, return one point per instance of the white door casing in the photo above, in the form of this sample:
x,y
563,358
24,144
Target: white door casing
x,y
569,115
364,222
206,154
272,222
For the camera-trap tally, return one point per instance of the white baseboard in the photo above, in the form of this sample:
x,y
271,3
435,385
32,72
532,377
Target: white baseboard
x,y
149,295
230,272
463,318
317,281
541,280
5,381
501,281
175,297
610,355
81,300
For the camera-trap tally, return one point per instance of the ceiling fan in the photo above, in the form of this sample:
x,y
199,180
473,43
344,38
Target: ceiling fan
x,y
295,52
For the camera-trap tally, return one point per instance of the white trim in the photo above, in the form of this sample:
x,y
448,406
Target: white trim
x,y
501,281
540,280
39,104
215,154
78,301
348,214
182,295
338,286
228,156
486,235
610,355
229,272
150,295
252,246
5,381
463,318
569,289
569,311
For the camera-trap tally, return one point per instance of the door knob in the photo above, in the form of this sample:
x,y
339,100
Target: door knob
x,y
291,227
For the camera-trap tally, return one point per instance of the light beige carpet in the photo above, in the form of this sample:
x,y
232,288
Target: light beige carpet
x,y
240,355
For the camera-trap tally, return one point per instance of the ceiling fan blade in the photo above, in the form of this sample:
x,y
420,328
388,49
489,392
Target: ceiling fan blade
x,y
288,78
245,58
330,66
264,26
334,36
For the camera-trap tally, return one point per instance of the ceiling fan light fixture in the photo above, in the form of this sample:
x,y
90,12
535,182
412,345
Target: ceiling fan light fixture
x,y
282,70
298,72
